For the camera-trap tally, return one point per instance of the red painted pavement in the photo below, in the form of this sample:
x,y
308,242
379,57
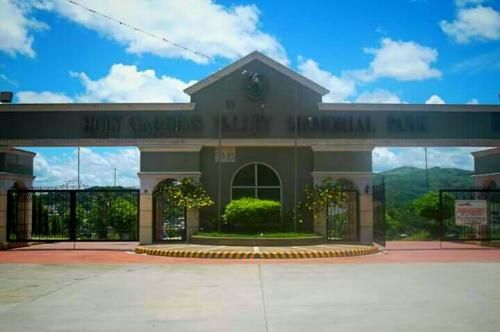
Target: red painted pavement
x,y
121,253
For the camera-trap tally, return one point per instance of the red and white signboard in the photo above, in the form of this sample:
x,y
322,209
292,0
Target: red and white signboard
x,y
471,212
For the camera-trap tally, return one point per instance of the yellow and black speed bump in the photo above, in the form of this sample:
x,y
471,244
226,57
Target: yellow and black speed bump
x,y
269,253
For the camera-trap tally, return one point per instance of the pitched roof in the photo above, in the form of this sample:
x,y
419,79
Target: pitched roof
x,y
246,60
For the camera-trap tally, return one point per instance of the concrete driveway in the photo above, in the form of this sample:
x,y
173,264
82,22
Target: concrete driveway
x,y
250,297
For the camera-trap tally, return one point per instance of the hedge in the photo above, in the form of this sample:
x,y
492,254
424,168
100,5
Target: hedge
x,y
252,214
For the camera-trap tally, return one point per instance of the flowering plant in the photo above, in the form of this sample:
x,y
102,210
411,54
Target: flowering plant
x,y
188,193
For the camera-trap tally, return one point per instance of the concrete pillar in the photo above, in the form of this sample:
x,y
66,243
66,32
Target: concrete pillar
x,y
146,218
366,218
192,222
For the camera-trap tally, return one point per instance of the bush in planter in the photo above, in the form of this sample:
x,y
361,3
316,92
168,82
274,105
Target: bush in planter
x,y
252,215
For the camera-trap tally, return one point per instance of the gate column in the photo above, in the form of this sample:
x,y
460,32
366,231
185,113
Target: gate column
x,y
16,167
145,212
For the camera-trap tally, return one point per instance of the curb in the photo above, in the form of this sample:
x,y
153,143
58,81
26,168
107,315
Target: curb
x,y
325,253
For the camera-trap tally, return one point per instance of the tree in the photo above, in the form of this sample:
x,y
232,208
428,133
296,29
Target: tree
x,y
123,218
427,206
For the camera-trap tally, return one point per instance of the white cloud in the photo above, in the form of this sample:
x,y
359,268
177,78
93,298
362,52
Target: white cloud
x,y
387,158
123,83
400,60
473,101
96,166
378,96
45,97
477,23
16,28
341,88
7,80
489,61
202,25
435,99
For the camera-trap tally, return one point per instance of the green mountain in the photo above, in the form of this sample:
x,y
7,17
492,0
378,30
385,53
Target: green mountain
x,y
404,184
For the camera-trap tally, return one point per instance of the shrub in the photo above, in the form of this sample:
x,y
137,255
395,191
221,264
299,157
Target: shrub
x,y
252,215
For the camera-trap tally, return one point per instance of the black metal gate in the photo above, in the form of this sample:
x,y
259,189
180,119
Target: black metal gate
x,y
343,219
73,215
169,220
379,213
469,214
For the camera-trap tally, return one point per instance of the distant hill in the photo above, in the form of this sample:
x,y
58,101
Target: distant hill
x,y
404,184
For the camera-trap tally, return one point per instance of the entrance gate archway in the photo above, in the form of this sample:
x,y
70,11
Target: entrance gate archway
x,y
291,129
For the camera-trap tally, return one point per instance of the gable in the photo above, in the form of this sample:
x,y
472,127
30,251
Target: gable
x,y
240,65
279,94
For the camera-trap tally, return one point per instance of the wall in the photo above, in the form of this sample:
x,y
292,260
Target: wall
x,y
170,161
280,159
487,164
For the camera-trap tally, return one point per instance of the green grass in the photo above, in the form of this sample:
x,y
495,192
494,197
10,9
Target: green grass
x,y
279,235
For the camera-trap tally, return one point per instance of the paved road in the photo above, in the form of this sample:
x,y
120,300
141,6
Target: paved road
x,y
251,297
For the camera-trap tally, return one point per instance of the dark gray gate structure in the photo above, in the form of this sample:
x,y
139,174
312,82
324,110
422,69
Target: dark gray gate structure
x,y
73,215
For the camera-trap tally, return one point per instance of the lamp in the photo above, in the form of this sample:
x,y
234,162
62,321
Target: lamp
x,y
367,189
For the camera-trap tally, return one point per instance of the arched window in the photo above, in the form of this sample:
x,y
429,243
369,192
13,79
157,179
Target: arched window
x,y
258,181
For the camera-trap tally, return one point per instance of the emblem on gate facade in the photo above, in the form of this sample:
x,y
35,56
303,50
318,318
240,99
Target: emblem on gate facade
x,y
254,85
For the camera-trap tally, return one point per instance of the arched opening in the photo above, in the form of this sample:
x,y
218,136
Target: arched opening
x,y
169,220
343,217
256,180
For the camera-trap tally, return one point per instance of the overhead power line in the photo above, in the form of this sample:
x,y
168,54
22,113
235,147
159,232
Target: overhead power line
x,y
150,34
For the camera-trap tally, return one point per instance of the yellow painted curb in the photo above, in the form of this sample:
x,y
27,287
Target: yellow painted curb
x,y
221,254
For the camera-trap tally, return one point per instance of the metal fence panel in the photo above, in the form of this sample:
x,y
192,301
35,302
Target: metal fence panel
x,y
73,215
451,230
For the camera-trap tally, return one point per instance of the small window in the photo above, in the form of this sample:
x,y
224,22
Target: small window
x,y
256,181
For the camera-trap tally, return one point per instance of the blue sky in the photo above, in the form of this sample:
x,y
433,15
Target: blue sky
x,y
409,51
